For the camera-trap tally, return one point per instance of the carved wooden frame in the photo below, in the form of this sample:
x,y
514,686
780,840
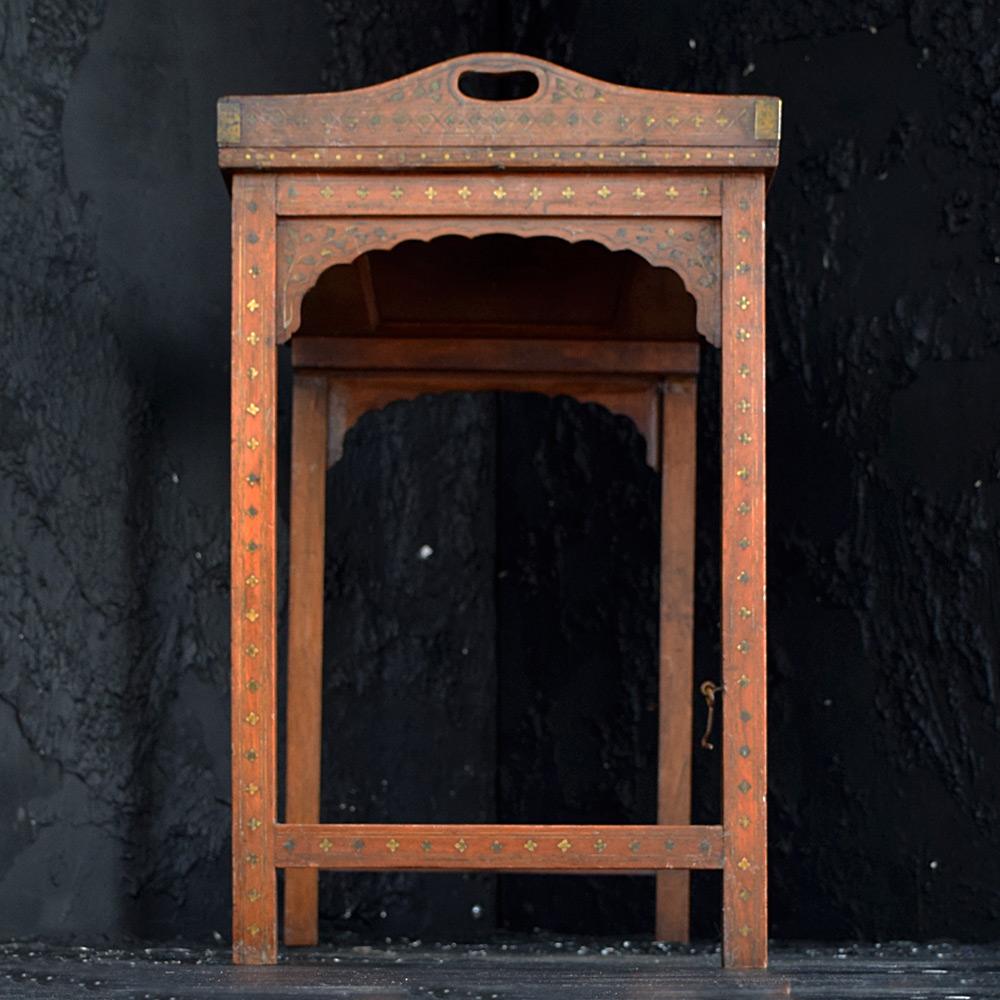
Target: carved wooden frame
x,y
677,178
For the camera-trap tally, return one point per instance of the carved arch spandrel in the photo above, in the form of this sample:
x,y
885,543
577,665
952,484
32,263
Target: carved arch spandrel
x,y
688,246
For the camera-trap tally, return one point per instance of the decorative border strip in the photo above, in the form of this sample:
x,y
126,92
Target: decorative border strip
x,y
496,847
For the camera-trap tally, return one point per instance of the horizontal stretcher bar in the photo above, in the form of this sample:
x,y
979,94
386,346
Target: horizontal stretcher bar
x,y
496,847
621,357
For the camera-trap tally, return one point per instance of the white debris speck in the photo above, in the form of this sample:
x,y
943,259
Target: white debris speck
x,y
425,552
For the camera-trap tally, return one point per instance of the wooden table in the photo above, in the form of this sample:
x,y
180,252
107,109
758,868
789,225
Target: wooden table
x,y
651,206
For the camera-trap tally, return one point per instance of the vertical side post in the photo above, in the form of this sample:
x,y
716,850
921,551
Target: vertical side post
x,y
303,724
677,527
744,620
253,569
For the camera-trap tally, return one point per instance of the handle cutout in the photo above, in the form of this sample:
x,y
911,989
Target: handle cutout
x,y
514,85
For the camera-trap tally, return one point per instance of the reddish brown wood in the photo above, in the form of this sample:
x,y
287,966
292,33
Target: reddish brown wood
x,y
690,247
254,619
497,847
677,527
744,587
452,354
427,110
673,180
303,712
655,193
635,397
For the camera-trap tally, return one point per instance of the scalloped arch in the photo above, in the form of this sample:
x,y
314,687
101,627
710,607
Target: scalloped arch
x,y
690,247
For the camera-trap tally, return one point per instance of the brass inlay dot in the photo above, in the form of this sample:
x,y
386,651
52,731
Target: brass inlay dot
x,y
253,685
600,845
564,845
251,789
253,409
461,846
252,650
604,192
496,847
530,846
568,193
251,860
253,444
253,305
744,371
743,576
743,681
671,192
252,373
744,931
744,751
252,338
743,406
743,508
326,192
743,302
634,846
638,193
392,845
254,930
430,193
253,895
745,612
743,473
362,193
252,615
535,193
252,581
325,845
464,193
254,823
744,894
743,236
499,192
252,718
744,543
744,438
425,846
744,821
744,786
396,193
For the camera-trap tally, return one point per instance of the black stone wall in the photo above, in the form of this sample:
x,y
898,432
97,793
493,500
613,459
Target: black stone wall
x,y
539,593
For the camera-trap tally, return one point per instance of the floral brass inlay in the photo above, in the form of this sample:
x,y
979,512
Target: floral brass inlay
x,y
535,193
252,615
252,718
600,845
252,650
254,823
604,192
396,193
325,845
743,576
253,444
430,193
252,581
742,334
251,789
253,409
744,371
253,686
362,193
464,193
744,438
568,193
253,895
252,339
564,845
744,894
634,845
425,846
253,305
672,192
251,860
743,406
499,193
530,846
743,473
744,543
744,751
744,786
745,612
743,236
461,846
744,821
496,847
638,193
392,845
744,681
743,508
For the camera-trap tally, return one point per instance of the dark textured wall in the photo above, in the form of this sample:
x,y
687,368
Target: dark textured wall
x,y
884,423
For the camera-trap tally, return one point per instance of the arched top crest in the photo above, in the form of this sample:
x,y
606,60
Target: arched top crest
x,y
435,108
690,247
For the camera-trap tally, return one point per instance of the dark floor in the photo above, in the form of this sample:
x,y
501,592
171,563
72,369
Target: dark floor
x,y
553,970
